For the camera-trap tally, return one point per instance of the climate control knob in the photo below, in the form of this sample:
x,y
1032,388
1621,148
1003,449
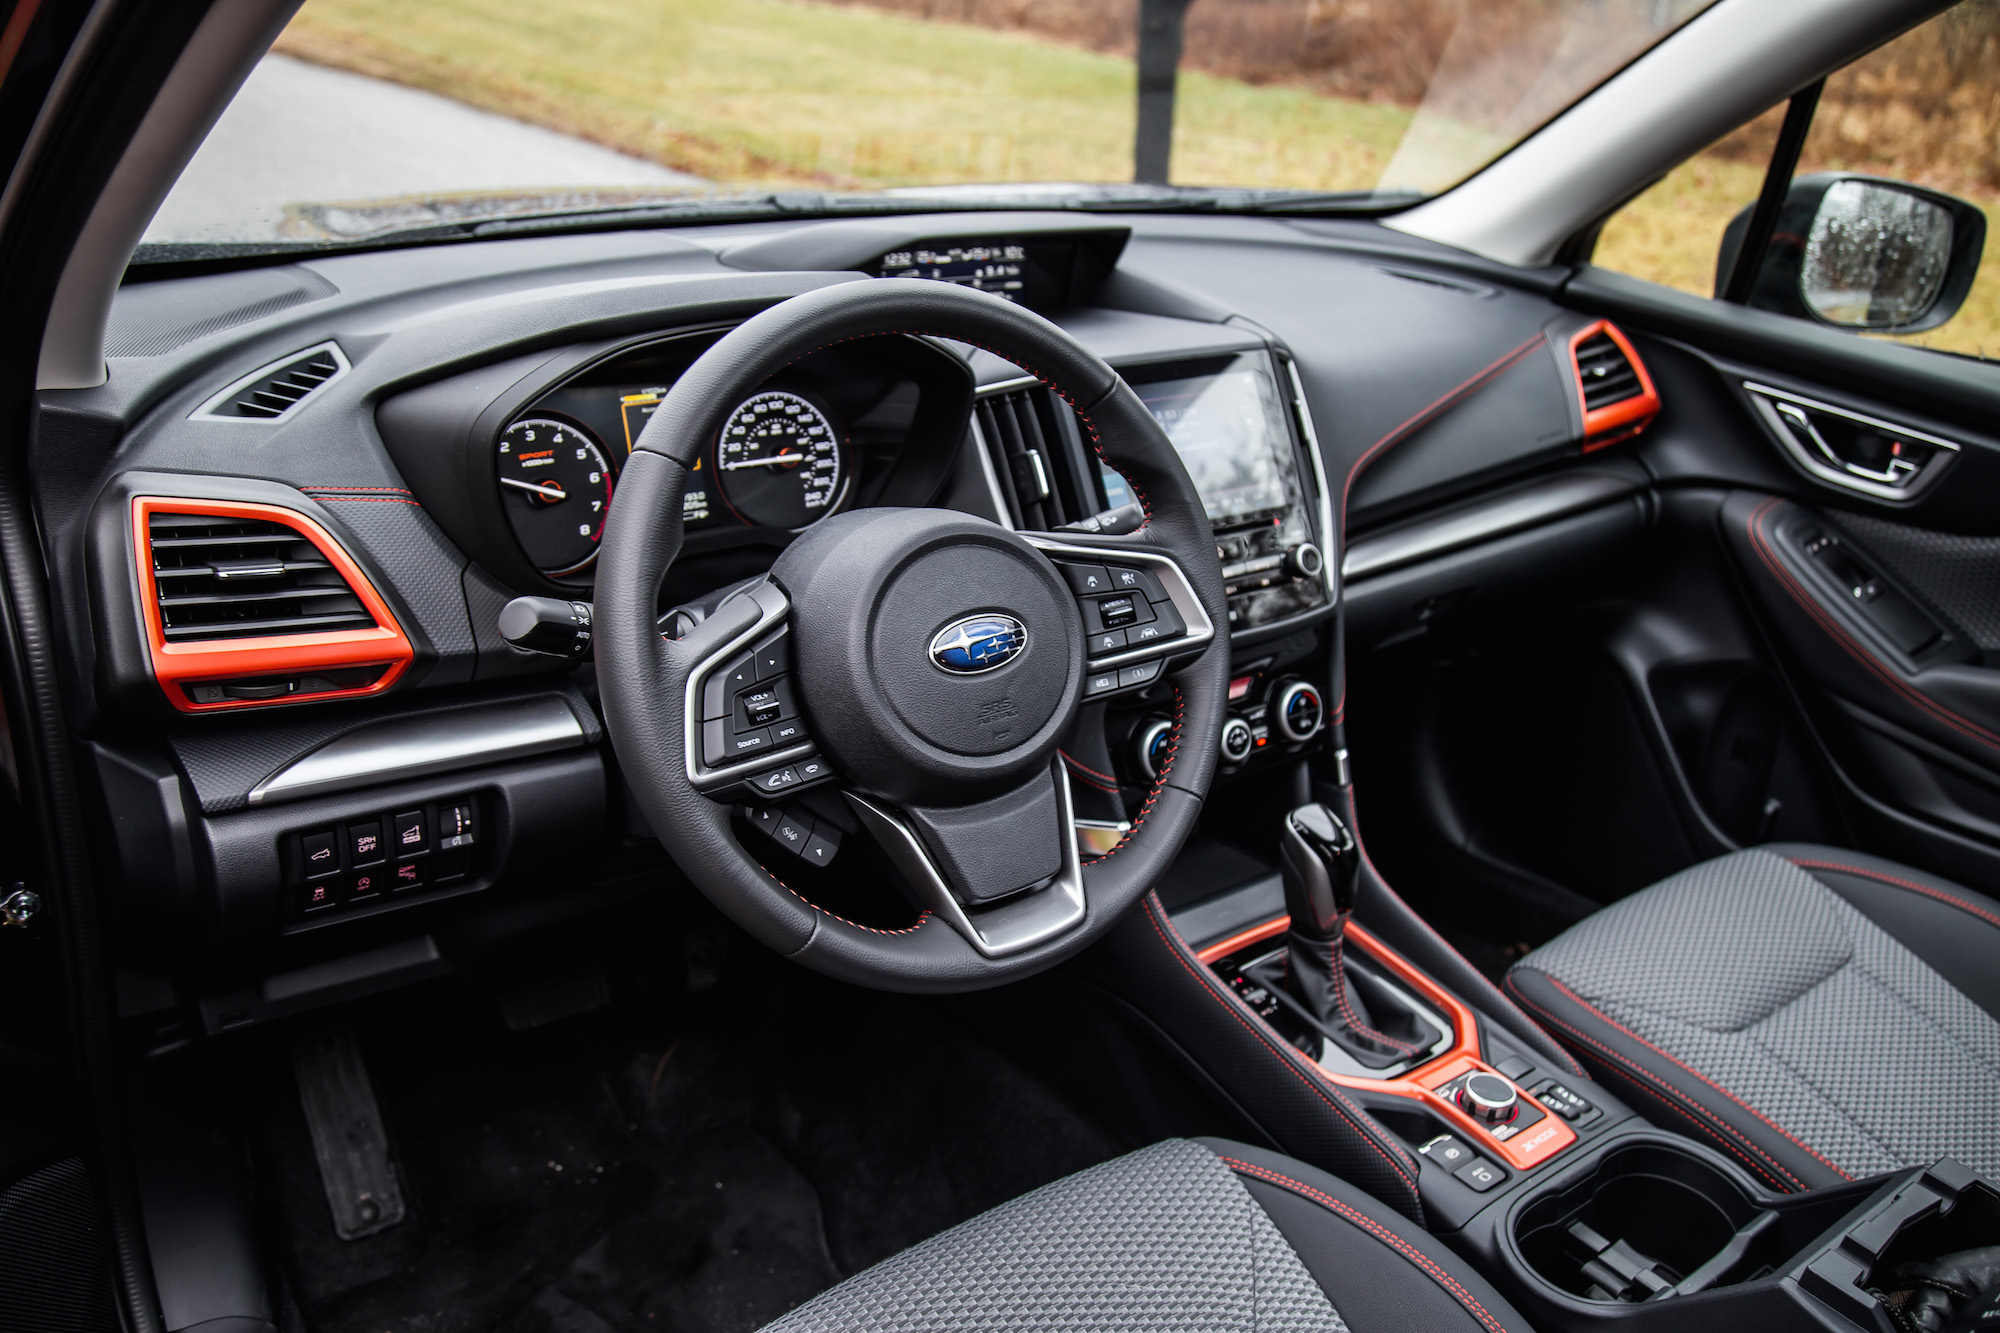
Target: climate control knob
x,y
1297,712
1236,740
1153,746
1489,1099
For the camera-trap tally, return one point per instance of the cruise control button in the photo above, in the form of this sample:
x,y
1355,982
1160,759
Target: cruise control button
x,y
820,848
1143,673
1108,613
1100,682
1481,1174
321,854
794,831
778,779
1107,643
1119,611
364,844
1142,581
1087,578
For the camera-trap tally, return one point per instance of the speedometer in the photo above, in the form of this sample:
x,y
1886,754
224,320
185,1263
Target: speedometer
x,y
556,487
779,460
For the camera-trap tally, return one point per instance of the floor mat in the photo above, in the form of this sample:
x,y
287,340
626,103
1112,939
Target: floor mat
x,y
640,1168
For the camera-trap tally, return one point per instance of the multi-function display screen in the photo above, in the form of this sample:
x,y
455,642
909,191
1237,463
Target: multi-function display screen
x,y
1229,428
998,268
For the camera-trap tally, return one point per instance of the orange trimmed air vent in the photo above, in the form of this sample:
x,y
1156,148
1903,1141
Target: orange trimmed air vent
x,y
248,605
1612,386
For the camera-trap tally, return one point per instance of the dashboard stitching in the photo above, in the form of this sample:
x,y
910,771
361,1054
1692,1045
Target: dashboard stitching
x,y
371,499
1910,694
400,490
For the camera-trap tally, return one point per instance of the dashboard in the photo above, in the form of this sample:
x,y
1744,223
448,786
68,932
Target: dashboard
x,y
283,539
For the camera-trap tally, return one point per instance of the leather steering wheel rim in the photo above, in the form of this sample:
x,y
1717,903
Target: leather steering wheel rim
x,y
643,678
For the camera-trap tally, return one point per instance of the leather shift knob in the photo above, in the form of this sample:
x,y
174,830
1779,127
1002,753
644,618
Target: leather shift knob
x,y
1322,871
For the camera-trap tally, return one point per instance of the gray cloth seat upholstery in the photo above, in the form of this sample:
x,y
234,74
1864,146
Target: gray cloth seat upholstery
x,y
1205,1236
1815,1014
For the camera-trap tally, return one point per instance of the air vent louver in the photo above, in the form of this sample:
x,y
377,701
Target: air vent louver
x,y
275,391
1608,377
234,578
1022,459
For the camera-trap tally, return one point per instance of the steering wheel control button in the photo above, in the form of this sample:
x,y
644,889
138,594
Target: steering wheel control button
x,y
1100,682
758,708
788,733
364,844
1236,740
720,746
720,688
812,769
793,831
822,846
1087,579
777,780
320,854
455,827
1120,611
1139,673
1488,1098
410,834
1107,643
1480,1174
1166,625
773,658
1141,581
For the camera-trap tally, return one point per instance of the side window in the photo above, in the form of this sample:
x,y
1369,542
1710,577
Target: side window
x,y
1870,196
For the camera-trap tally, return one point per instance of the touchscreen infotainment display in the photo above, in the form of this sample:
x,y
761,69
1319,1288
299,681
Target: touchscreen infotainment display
x,y
1228,425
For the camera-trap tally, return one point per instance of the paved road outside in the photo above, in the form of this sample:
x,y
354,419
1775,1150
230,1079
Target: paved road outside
x,y
301,134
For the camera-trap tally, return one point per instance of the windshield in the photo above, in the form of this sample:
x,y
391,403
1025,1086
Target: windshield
x,y
373,117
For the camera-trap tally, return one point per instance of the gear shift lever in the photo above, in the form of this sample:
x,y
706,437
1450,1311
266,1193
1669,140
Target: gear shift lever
x,y
1322,876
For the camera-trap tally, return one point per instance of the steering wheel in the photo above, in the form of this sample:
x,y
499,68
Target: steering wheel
x,y
929,660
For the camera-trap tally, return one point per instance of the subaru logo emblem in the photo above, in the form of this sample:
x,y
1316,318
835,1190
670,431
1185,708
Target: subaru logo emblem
x,y
978,643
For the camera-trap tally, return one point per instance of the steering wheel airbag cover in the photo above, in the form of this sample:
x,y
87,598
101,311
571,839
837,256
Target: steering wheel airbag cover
x,y
643,679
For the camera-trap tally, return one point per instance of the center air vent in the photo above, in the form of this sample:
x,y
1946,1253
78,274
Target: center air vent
x,y
1606,372
234,578
1036,451
277,390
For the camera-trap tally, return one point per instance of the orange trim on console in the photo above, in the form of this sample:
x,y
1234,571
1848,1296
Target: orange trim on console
x,y
1622,420
177,665
1526,1150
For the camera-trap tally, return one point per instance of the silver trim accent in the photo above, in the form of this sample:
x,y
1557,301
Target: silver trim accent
x,y
1333,540
1200,629
399,749
773,606
1828,466
206,412
1007,927
985,453
1529,507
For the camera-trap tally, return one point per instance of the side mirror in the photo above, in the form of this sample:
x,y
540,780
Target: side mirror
x,y
1858,252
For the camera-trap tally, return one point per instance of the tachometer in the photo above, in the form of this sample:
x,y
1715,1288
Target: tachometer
x,y
555,485
779,460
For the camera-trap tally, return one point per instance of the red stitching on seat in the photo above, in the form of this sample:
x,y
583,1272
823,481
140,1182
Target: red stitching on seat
x,y
1422,1261
1405,1169
1916,698
1909,884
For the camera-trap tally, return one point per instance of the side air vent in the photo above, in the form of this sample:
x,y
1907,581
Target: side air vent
x,y
1037,457
1607,376
224,578
276,391
251,603
1612,386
